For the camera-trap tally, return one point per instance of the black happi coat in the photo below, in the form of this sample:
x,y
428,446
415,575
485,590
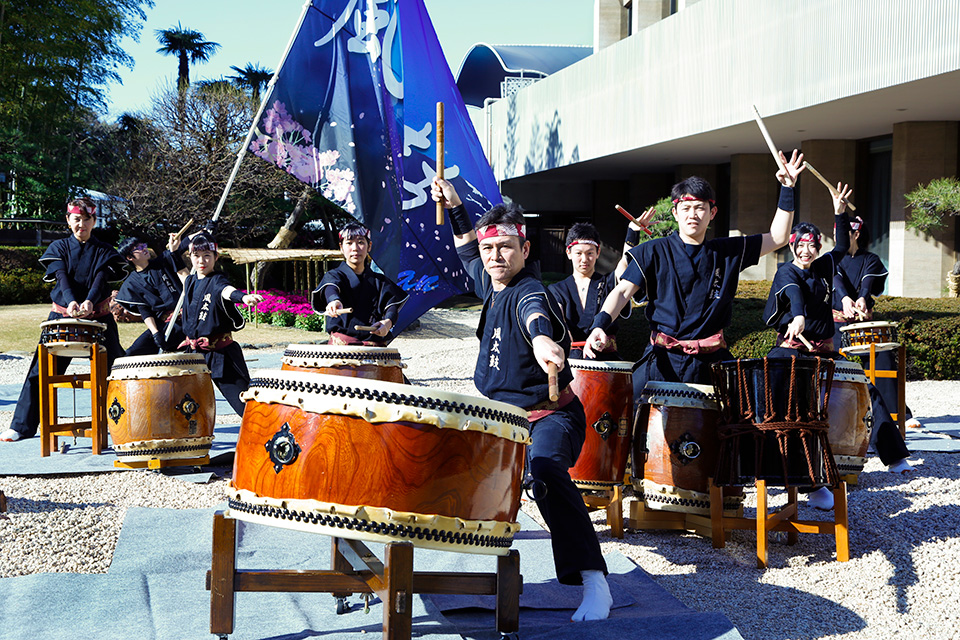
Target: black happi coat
x,y
579,318
808,292
82,261
859,276
207,314
689,291
506,369
154,291
371,295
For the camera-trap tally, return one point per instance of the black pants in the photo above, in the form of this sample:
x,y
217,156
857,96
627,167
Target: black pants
x,y
556,443
229,372
26,416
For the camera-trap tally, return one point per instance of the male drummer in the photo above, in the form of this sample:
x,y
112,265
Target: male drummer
x,y
374,299
689,283
82,268
519,333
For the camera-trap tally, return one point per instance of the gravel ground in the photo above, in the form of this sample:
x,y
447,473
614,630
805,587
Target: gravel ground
x,y
901,581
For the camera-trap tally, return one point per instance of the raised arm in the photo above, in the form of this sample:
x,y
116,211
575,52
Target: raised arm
x,y
633,238
463,232
779,233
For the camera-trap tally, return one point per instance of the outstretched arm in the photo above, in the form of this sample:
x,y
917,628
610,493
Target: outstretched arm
x,y
616,300
442,191
779,232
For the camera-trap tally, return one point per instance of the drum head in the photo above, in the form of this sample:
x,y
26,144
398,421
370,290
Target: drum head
x,y
74,322
161,365
618,366
325,355
679,394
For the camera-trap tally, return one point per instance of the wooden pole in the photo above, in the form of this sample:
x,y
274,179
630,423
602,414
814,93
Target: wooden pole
x,y
440,159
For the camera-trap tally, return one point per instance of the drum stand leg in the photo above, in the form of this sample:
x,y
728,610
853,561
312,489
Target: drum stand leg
x,y
783,519
355,569
611,501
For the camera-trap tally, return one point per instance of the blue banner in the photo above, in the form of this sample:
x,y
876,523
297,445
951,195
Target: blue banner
x,y
353,115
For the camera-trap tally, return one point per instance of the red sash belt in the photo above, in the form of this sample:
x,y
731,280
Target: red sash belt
x,y
545,408
819,346
208,343
690,347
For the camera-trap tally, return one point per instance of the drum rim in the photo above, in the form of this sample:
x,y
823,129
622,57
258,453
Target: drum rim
x,y
337,352
868,325
82,322
583,364
127,362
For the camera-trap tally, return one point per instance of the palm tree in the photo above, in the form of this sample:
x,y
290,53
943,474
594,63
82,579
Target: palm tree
x,y
189,46
254,77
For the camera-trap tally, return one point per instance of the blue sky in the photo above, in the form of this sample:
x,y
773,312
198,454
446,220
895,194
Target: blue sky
x,y
258,31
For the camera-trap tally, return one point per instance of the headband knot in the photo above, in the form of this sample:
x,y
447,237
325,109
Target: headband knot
x,y
502,229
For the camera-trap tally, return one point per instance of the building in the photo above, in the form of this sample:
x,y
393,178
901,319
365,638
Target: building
x,y
869,90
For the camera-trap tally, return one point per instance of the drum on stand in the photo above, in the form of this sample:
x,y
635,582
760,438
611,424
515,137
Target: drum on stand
x,y
160,407
851,418
675,448
71,337
856,338
606,391
774,422
379,461
373,363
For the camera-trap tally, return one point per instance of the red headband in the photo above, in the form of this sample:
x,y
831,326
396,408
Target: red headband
x,y
72,208
502,229
583,241
807,237
856,223
689,198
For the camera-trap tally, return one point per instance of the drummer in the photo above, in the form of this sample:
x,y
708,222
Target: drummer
x,y
210,316
374,299
82,268
152,292
800,305
861,276
689,283
520,333
581,294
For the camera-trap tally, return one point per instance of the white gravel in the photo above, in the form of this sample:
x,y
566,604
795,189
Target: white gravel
x,y
901,582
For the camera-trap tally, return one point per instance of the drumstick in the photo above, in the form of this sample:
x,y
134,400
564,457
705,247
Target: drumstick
x,y
361,327
766,136
805,342
440,159
341,311
632,219
184,230
833,189
552,382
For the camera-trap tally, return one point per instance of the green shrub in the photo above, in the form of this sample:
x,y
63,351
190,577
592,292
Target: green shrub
x,y
21,258
309,323
23,286
282,319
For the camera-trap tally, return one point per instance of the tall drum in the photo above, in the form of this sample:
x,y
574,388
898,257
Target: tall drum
x,y
160,407
379,461
606,391
675,448
373,363
850,415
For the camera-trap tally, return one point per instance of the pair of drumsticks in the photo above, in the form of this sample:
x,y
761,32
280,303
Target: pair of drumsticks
x,y
346,310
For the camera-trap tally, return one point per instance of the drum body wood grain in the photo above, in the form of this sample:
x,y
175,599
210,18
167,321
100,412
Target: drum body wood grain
x,y
71,337
379,461
606,391
851,418
372,363
857,337
675,448
160,407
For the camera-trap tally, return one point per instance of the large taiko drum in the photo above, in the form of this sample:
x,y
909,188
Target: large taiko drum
x,y
606,391
675,448
856,338
773,423
71,337
379,461
160,407
373,363
851,418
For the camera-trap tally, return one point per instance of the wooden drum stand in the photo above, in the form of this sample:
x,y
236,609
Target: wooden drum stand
x,y
900,375
95,381
356,569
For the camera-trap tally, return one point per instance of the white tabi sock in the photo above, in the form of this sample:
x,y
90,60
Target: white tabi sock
x,y
9,436
900,466
596,597
822,499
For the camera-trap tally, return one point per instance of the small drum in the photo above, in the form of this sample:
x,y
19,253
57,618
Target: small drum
x,y
373,363
379,461
856,338
160,407
851,418
71,337
606,391
675,448
773,423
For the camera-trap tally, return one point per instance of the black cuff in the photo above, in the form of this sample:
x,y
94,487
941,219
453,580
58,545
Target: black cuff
x,y
602,321
786,201
460,220
541,326
236,296
633,237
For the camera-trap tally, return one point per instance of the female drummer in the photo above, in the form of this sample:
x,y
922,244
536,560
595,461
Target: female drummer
x,y
861,276
82,268
799,307
210,315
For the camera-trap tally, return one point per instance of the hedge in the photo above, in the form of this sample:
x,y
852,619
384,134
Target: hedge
x,y
23,286
21,258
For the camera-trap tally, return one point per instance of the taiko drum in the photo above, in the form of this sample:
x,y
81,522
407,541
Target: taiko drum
x,y
71,337
856,338
379,461
850,416
160,407
606,391
372,363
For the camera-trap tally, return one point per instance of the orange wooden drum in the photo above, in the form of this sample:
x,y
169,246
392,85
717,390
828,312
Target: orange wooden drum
x,y
71,337
379,461
160,407
606,391
850,415
675,448
373,363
